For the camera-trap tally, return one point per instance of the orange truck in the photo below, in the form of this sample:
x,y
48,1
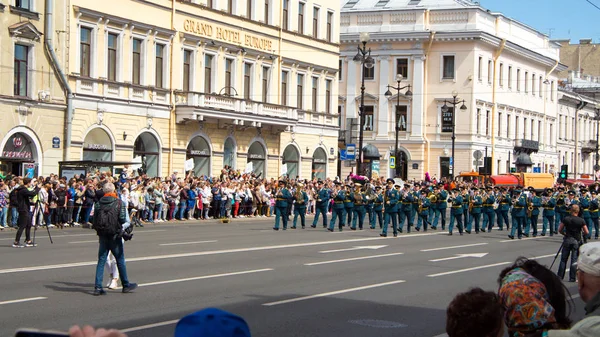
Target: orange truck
x,y
539,181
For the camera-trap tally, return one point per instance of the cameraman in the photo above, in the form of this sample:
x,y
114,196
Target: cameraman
x,y
571,227
24,193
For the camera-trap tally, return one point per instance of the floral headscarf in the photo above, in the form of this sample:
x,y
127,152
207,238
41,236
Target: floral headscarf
x,y
527,303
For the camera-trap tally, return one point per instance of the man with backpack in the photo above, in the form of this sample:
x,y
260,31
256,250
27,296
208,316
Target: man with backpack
x,y
24,195
109,217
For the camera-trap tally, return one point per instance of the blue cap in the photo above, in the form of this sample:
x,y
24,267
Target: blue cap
x,y
212,322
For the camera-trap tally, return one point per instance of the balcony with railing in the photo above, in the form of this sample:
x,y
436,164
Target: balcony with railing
x,y
107,89
589,146
201,106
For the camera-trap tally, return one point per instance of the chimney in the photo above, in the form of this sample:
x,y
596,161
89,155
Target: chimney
x,y
585,41
571,76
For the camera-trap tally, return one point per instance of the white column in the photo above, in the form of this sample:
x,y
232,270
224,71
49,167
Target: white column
x,y
417,107
383,115
353,82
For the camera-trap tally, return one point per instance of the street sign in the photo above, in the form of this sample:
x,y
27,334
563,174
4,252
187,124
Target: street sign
x,y
596,167
537,170
451,161
478,162
343,155
55,143
477,154
351,152
392,162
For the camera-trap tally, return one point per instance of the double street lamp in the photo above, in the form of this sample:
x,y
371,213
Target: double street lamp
x,y
388,93
364,57
454,102
597,118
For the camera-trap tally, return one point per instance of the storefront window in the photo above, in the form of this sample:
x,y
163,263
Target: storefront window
x,y
19,156
97,146
147,149
199,150
257,156
319,164
229,153
291,159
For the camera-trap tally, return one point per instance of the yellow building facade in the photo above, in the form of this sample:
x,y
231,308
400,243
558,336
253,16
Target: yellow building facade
x,y
199,85
32,102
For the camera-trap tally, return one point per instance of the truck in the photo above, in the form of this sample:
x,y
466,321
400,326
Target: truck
x,y
470,176
539,181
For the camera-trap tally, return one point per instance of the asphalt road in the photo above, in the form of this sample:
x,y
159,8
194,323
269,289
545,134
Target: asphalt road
x,y
288,283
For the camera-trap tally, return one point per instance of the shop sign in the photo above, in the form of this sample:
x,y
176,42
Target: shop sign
x,y
97,147
199,153
17,142
17,154
55,143
319,160
447,120
228,35
256,156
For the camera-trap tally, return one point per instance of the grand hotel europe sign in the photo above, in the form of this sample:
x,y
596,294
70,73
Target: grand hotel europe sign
x,y
227,35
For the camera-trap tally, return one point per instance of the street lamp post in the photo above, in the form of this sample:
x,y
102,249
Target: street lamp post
x,y
388,93
597,167
364,57
455,101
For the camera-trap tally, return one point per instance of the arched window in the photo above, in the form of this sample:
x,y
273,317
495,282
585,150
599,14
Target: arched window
x,y
291,158
319,164
257,156
146,147
199,150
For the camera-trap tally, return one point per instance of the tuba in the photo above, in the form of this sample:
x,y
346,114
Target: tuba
x,y
420,205
471,199
529,207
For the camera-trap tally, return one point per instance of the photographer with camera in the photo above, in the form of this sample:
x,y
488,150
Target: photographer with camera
x,y
571,227
24,194
109,217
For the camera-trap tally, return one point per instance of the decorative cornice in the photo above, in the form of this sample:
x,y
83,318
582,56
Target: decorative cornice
x,y
122,21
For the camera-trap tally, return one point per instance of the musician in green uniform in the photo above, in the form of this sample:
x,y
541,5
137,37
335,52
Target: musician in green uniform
x,y
377,208
338,211
535,202
423,211
441,206
321,204
456,213
475,208
349,204
504,206
488,210
282,197
585,203
406,210
548,205
360,199
300,202
390,199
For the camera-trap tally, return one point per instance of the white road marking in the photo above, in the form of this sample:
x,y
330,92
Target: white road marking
x,y
90,241
303,298
24,300
525,239
453,247
186,243
351,259
353,248
442,335
575,296
193,254
58,235
460,256
541,257
469,269
149,326
202,277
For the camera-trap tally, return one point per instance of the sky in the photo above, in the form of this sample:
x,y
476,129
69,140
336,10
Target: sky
x,y
560,19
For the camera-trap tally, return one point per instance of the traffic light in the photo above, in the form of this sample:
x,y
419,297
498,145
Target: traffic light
x,y
564,171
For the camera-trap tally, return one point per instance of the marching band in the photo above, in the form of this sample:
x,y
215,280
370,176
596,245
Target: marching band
x,y
405,207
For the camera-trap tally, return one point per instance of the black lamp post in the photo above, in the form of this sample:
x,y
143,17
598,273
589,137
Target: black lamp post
x,y
388,93
364,57
455,101
597,167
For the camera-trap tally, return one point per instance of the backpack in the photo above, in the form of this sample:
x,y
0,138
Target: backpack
x,y
106,219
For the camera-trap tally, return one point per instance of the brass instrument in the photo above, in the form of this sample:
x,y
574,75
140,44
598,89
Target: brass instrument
x,y
529,207
358,197
386,199
420,209
471,199
299,197
433,198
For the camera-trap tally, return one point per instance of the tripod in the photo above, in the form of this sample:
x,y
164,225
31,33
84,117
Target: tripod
x,y
556,256
39,208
